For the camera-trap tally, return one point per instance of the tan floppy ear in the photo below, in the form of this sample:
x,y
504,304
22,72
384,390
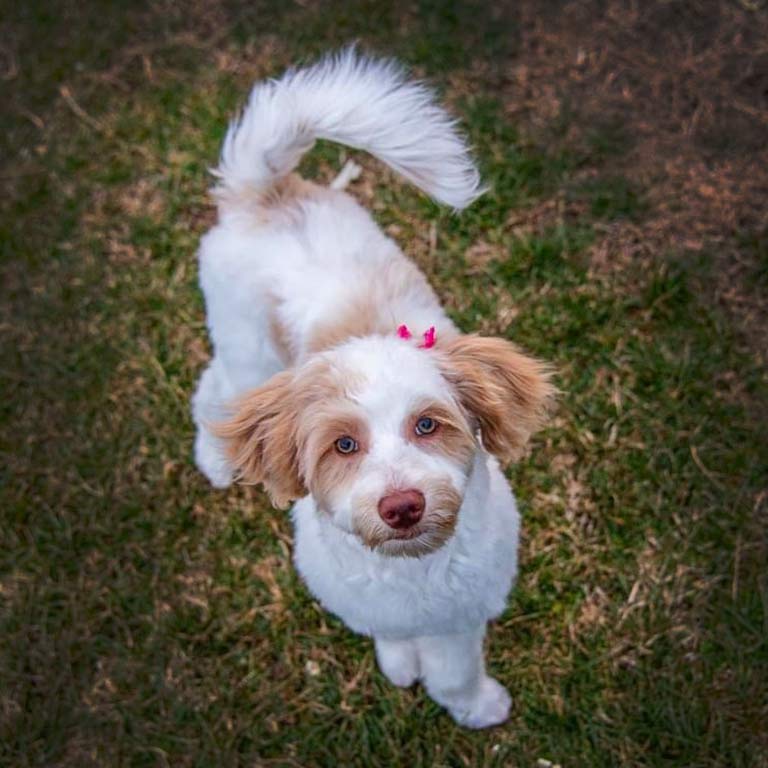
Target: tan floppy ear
x,y
507,391
260,439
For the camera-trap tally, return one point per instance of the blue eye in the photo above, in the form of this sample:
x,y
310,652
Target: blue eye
x,y
346,444
425,426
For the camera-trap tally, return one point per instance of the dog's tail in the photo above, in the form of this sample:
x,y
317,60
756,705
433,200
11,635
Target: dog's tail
x,y
363,103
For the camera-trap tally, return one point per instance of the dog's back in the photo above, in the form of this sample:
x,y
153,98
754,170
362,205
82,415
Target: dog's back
x,y
294,267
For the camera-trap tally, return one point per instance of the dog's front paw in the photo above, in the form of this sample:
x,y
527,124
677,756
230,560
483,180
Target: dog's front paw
x,y
210,460
399,661
489,706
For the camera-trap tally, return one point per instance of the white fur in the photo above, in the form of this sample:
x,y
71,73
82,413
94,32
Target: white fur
x,y
360,102
460,586
427,614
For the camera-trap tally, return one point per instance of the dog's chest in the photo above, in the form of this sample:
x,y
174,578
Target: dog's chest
x,y
459,587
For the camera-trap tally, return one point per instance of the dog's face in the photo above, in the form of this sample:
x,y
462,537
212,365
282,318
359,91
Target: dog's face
x,y
383,433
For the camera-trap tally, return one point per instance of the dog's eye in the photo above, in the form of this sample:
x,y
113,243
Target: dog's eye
x,y
346,444
425,426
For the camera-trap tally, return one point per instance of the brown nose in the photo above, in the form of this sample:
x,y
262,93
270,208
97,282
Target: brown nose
x,y
402,509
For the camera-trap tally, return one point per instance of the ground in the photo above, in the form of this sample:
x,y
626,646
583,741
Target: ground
x,y
149,620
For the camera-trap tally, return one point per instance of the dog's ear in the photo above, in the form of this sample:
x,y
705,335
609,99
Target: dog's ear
x,y
507,391
260,439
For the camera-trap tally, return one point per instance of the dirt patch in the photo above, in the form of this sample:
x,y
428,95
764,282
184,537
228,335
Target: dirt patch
x,y
674,96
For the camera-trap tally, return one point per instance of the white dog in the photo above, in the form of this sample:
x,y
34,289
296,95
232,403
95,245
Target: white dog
x,y
338,380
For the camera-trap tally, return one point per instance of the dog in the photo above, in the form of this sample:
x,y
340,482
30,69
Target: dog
x,y
339,383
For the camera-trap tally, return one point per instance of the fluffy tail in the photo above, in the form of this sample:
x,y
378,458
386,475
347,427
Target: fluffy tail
x,y
363,103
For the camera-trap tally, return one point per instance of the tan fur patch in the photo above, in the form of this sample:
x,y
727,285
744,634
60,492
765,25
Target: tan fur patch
x,y
261,439
453,436
277,200
378,308
272,425
287,191
324,468
360,318
508,392
279,335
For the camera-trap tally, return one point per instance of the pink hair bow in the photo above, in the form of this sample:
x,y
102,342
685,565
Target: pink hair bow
x,y
430,337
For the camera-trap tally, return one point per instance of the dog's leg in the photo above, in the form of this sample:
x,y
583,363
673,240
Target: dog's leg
x,y
453,672
398,661
208,407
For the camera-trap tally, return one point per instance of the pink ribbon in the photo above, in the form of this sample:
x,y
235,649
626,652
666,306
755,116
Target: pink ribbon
x,y
430,337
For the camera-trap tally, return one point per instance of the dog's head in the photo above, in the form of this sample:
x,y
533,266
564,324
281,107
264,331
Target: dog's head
x,y
383,434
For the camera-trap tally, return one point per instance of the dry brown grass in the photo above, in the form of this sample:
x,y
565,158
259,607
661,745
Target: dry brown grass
x,y
682,90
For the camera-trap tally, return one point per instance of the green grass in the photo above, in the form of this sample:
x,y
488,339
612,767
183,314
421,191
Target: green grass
x,y
612,197
147,620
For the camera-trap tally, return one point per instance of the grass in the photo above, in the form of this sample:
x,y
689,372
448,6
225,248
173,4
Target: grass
x,y
147,620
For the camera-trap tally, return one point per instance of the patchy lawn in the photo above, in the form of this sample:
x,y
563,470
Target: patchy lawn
x,y
148,620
